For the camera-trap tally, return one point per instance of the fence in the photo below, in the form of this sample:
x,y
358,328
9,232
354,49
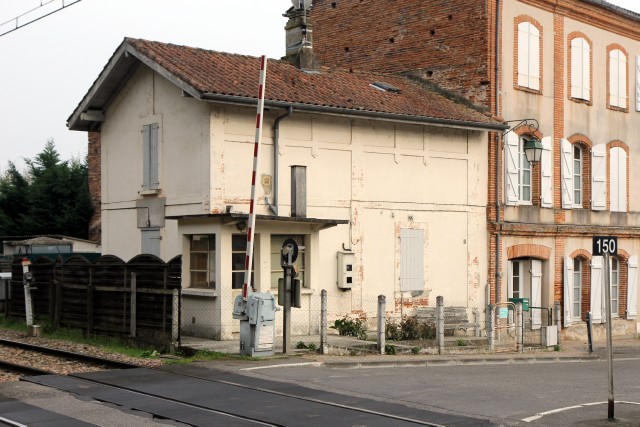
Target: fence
x,y
138,299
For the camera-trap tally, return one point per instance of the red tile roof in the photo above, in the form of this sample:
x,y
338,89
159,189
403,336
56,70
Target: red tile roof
x,y
218,73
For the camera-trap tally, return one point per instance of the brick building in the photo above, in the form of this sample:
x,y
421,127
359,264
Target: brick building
x,y
572,67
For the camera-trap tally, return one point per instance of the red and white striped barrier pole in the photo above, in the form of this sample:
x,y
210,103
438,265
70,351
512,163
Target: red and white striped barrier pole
x,y
256,158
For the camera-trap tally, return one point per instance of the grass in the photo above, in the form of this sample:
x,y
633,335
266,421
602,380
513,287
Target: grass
x,y
204,356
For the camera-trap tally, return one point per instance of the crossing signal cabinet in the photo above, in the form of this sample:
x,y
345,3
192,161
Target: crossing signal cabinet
x,y
257,323
346,270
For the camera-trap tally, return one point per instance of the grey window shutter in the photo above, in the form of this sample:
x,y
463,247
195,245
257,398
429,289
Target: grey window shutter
x,y
412,262
146,138
150,243
154,182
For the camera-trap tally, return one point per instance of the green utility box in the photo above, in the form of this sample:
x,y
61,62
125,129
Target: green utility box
x,y
524,301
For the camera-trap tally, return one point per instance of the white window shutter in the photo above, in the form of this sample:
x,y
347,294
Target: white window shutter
x,y
613,78
534,58
599,177
618,177
586,70
566,167
536,293
412,262
632,288
576,68
512,169
622,80
637,82
510,280
546,171
523,54
597,273
568,291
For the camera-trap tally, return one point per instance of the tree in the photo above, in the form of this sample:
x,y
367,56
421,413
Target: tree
x,y
53,197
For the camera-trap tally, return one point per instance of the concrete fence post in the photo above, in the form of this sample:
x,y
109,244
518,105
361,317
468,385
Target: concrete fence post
x,y
491,321
382,308
324,347
440,323
133,304
519,324
175,321
556,316
476,320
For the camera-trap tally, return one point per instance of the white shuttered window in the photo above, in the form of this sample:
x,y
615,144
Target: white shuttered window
x,y
412,262
528,56
599,177
580,69
618,179
617,78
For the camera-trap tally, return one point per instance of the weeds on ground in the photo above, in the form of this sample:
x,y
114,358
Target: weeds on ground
x,y
389,349
310,346
409,328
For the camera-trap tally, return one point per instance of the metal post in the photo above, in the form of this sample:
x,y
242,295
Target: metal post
x,y
556,314
607,296
175,321
589,332
490,332
323,322
133,299
440,323
286,312
519,328
382,307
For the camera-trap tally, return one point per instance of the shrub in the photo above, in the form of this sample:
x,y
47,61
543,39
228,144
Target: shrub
x,y
389,349
351,327
410,328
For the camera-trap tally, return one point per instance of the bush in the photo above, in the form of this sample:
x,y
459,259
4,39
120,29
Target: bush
x,y
389,349
350,327
409,328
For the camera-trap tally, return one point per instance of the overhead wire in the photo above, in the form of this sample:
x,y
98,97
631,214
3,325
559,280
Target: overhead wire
x,y
43,3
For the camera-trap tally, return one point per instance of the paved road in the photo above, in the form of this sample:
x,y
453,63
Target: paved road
x,y
505,393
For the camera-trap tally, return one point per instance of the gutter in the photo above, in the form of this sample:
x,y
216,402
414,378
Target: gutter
x,y
239,100
276,149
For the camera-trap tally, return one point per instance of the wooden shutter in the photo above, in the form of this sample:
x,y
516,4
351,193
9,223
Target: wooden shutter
x,y
632,288
412,262
580,69
150,241
597,273
566,167
613,78
523,54
622,80
536,293
512,168
568,291
618,177
146,137
637,82
599,177
154,182
546,172
534,58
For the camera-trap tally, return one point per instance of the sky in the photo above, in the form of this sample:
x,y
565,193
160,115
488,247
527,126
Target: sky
x,y
48,66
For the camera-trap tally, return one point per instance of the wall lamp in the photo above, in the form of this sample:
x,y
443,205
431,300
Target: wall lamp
x,y
532,145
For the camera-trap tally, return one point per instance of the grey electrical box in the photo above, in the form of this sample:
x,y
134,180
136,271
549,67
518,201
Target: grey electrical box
x,y
346,269
257,324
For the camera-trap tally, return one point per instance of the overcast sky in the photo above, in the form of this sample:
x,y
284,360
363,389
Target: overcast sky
x,y
48,66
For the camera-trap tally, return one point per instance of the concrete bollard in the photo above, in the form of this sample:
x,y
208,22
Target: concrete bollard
x,y
491,319
382,307
519,324
556,315
440,323
324,347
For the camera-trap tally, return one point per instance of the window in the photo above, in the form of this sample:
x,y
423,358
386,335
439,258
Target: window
x,y
202,261
238,257
577,288
580,76
577,176
528,56
525,174
150,241
617,77
615,286
618,179
516,279
519,176
412,260
300,263
150,180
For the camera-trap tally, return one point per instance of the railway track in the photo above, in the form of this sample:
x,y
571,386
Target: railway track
x,y
28,359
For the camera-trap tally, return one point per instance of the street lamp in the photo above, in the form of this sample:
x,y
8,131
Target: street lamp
x,y
533,150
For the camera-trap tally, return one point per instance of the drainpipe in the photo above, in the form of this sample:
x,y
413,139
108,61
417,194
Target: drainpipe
x,y
276,147
497,155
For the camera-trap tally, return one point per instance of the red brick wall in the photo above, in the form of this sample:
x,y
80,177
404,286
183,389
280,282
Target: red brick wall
x,y
95,227
441,40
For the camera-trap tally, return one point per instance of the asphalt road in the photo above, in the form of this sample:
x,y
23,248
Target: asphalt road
x,y
524,394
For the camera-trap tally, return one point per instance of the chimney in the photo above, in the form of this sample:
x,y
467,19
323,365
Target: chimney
x,y
299,36
299,191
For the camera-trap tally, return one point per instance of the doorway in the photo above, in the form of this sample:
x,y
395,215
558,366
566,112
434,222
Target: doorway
x,y
524,280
